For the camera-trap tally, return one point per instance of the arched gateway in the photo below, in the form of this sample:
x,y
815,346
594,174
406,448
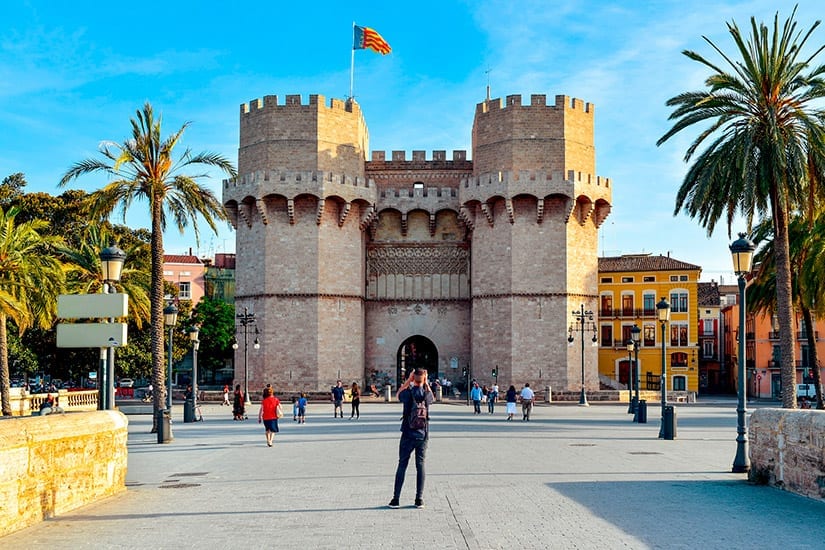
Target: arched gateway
x,y
416,352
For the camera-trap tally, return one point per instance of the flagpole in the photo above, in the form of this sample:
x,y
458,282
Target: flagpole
x,y
352,63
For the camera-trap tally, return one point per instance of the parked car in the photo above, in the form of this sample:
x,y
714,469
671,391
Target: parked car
x,y
126,383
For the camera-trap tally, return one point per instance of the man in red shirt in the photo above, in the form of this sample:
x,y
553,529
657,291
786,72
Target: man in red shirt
x,y
270,405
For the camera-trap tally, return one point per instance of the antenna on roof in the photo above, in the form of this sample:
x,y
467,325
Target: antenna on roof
x,y
487,72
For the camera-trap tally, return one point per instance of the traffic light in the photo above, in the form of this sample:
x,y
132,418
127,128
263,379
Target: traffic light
x,y
495,372
464,372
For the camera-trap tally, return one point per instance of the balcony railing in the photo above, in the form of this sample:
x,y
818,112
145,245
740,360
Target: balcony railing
x,y
800,335
626,313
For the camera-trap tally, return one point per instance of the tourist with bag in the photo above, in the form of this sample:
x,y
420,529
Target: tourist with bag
x,y
416,396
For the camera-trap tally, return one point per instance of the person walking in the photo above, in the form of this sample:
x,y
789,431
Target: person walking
x,y
476,395
510,397
238,407
302,409
295,408
416,396
269,414
355,394
492,396
226,396
527,397
338,399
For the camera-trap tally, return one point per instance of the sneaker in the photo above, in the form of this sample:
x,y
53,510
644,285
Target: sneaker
x,y
419,503
393,503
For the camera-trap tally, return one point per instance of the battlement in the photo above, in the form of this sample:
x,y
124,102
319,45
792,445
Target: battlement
x,y
293,101
297,178
535,176
459,155
562,102
419,193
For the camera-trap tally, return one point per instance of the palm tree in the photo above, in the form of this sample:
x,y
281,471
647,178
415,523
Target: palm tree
x,y
143,168
763,130
807,240
31,277
85,276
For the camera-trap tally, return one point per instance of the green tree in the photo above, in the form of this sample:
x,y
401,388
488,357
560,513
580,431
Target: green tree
x,y
763,129
806,240
216,320
31,277
143,168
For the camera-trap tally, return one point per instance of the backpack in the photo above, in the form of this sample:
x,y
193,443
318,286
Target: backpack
x,y
418,414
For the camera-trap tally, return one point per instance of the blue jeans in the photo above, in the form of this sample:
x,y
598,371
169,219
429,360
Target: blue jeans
x,y
405,449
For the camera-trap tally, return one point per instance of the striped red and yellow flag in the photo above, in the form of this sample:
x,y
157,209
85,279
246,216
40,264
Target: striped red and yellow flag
x,y
365,37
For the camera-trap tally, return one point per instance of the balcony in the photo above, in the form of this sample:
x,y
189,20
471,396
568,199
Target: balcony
x,y
626,313
803,335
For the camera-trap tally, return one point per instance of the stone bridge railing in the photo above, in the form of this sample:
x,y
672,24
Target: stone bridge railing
x,y
26,404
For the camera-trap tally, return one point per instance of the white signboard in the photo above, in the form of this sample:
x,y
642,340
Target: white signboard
x,y
91,335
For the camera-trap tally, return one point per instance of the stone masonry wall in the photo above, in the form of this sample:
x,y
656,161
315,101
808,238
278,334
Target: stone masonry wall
x,y
52,464
787,450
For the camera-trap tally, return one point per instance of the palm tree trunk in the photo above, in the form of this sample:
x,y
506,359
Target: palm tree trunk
x,y
784,303
5,382
813,356
156,312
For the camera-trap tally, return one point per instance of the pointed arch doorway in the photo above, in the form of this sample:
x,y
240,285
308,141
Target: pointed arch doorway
x,y
416,352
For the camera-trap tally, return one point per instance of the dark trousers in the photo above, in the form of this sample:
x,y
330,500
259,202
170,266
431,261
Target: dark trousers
x,y
476,407
356,411
405,449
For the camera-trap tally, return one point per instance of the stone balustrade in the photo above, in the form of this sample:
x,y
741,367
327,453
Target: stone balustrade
x,y
787,450
25,404
52,464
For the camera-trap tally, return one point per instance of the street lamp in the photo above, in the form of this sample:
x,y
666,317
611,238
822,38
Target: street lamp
x,y
582,317
635,336
245,319
742,254
192,403
112,259
663,312
630,347
170,319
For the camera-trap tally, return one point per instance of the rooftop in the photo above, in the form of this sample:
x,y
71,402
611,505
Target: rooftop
x,y
643,262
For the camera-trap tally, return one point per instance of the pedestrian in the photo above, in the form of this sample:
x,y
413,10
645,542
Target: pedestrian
x,y
338,399
302,408
269,414
238,405
416,396
527,396
492,396
295,408
475,396
355,394
510,397
225,395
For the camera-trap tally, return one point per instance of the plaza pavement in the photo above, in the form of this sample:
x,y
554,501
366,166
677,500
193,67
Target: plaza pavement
x,y
573,477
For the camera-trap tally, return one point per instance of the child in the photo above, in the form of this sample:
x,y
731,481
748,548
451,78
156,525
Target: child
x,y
302,409
295,408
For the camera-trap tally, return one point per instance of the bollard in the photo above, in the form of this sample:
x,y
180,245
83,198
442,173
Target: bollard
x,y
641,412
388,393
164,422
669,429
438,394
548,394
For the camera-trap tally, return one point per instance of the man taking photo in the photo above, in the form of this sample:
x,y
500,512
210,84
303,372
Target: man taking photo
x,y
416,396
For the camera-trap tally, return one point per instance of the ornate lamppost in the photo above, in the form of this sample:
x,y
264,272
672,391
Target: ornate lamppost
x,y
635,336
630,377
112,259
582,316
192,402
245,319
170,319
663,312
742,254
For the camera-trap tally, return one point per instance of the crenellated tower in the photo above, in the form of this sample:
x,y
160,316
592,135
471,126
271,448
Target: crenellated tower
x,y
363,269
535,206
300,207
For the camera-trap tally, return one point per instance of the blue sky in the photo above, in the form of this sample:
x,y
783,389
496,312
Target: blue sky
x,y
72,74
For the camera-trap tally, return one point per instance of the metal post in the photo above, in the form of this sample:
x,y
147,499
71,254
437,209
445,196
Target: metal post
x,y
742,462
630,383
663,383
638,380
582,316
245,364
169,378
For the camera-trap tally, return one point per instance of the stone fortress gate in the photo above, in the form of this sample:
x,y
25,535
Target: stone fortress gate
x,y
363,269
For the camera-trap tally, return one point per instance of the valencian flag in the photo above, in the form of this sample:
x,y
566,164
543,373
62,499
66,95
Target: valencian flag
x,y
365,37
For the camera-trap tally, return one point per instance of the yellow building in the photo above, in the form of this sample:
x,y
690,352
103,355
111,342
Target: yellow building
x,y
630,286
